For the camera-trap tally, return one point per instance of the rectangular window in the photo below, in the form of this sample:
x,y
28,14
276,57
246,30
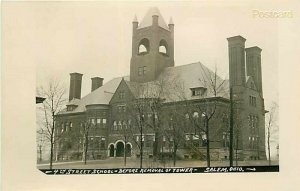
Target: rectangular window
x,y
115,125
252,101
62,127
121,108
67,126
120,125
122,95
140,71
104,121
98,120
93,121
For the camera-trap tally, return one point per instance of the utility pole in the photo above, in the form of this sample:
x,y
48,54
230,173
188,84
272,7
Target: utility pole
x,y
231,131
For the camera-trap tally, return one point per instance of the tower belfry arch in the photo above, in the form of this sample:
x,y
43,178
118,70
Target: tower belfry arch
x,y
152,46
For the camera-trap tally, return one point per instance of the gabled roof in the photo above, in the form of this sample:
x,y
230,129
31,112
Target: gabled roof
x,y
193,76
173,84
147,20
250,82
101,95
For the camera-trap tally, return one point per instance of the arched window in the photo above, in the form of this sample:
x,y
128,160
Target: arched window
x,y
144,46
163,47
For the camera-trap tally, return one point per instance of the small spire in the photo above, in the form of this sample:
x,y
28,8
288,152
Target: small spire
x,y
171,21
154,11
135,19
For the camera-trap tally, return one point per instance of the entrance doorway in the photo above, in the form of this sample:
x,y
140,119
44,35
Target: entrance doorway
x,y
120,149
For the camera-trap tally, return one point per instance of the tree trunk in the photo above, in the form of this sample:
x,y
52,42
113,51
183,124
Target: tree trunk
x,y
141,149
141,155
52,140
236,150
125,151
174,154
85,150
40,153
269,151
207,145
155,147
51,154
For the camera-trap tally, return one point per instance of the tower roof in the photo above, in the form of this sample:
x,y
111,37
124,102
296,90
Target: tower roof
x,y
135,19
171,21
147,20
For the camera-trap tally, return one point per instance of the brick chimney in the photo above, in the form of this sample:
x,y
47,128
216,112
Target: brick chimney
x,y
236,50
96,83
253,64
75,86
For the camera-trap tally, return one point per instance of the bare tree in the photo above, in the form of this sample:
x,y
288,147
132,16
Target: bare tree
x,y
272,127
54,92
145,111
174,130
85,130
41,143
209,107
151,98
137,110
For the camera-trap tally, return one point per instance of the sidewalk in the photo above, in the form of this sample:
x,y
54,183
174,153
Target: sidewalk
x,y
135,163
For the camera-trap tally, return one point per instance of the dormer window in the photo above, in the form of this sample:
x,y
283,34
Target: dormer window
x,y
71,107
200,91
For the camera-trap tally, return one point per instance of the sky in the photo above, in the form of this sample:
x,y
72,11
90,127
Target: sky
x,y
94,38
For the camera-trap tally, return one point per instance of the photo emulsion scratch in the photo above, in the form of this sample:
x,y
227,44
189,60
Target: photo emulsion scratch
x,y
164,116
